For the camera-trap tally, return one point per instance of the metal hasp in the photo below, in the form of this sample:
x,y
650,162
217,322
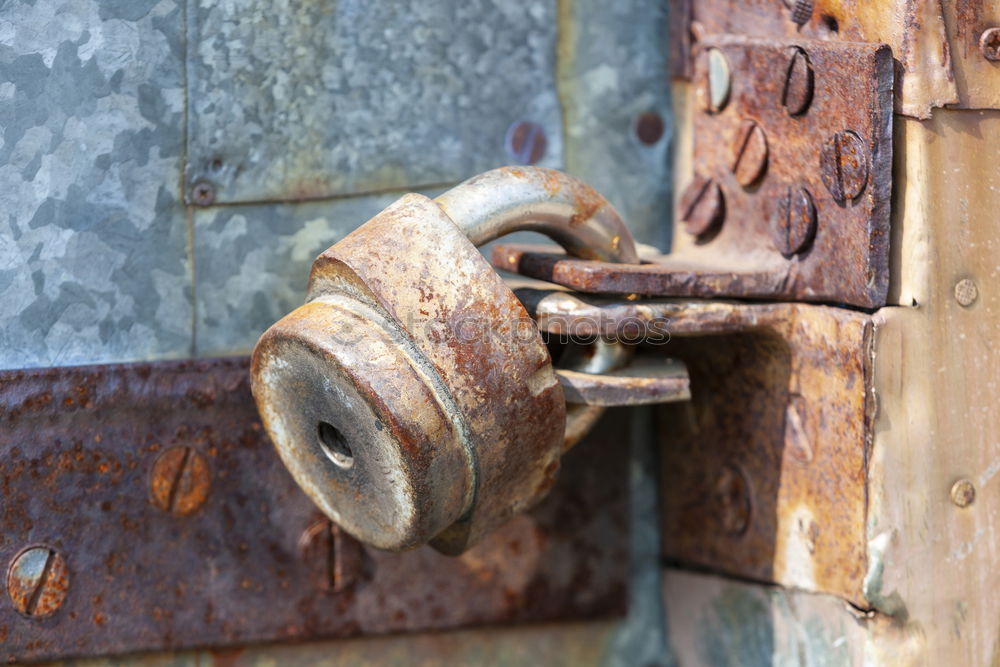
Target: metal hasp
x,y
412,396
790,194
764,469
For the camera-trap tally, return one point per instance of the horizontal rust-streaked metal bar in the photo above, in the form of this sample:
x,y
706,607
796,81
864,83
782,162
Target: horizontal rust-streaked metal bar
x,y
146,510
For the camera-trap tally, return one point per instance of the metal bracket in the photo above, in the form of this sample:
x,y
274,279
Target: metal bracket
x,y
791,188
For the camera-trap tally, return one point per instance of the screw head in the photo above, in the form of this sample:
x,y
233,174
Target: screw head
x,y
800,11
702,207
731,496
963,493
793,226
525,142
989,44
203,193
749,153
649,128
335,558
843,164
797,94
966,292
179,481
716,80
37,581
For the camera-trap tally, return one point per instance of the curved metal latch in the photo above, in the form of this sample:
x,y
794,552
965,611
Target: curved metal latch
x,y
412,396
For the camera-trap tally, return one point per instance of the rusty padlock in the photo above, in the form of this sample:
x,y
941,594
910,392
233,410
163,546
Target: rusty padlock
x,y
412,396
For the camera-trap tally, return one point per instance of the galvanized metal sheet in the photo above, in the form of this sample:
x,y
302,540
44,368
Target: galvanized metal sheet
x,y
93,261
306,100
252,263
233,555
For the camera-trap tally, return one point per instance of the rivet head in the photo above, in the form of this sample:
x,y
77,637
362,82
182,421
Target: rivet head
x,y
525,142
966,292
749,153
989,44
649,128
794,224
844,165
797,93
702,207
37,582
179,481
717,82
963,493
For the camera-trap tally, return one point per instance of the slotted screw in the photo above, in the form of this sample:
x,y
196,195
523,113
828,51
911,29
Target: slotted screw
x,y
732,500
797,94
37,582
702,206
179,481
794,223
336,558
749,153
844,165
716,80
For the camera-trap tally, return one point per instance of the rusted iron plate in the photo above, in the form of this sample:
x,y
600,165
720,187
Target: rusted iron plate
x,y
78,450
842,249
764,470
916,32
943,58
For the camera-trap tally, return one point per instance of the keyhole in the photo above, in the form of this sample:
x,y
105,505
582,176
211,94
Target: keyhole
x,y
334,445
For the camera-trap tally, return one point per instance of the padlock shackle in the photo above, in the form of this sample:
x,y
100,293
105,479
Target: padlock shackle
x,y
570,212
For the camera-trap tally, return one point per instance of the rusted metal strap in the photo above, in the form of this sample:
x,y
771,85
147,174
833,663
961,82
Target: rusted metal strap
x,y
145,509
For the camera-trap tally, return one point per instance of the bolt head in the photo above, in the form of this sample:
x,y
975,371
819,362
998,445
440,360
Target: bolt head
x,y
702,207
203,193
525,142
843,165
966,292
963,493
37,582
989,44
749,160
